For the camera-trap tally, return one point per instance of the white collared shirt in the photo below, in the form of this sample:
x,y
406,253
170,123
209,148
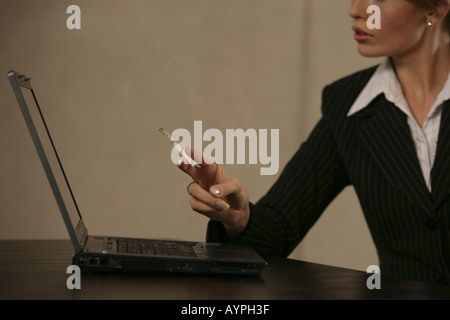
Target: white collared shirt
x,y
425,139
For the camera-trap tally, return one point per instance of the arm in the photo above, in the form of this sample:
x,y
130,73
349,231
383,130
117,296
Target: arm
x,y
310,181
278,222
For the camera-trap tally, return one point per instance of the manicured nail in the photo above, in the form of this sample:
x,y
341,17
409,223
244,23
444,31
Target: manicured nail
x,y
215,191
222,205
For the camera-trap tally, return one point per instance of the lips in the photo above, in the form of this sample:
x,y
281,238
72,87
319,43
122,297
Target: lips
x,y
360,35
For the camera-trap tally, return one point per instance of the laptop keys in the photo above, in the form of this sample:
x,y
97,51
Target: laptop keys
x,y
155,247
122,246
133,246
172,249
146,247
200,250
160,248
186,249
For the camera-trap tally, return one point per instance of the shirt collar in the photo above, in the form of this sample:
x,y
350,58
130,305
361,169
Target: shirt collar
x,y
384,80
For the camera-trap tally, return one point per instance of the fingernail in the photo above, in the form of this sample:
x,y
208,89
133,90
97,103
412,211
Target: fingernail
x,y
222,205
215,191
180,161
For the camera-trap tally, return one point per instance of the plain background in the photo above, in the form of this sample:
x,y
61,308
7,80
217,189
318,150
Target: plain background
x,y
138,65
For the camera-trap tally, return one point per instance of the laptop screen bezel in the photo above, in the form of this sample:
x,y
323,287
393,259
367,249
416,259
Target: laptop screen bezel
x,y
77,230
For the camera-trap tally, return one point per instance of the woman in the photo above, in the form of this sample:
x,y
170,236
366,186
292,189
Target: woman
x,y
384,130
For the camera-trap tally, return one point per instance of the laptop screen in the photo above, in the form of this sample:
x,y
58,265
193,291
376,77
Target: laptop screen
x,y
49,158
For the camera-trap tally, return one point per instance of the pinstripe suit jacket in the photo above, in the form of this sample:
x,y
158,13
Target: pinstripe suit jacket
x,y
372,150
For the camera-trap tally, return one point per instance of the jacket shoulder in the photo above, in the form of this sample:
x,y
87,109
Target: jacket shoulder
x,y
341,94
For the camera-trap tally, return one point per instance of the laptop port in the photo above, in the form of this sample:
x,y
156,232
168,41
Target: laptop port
x,y
94,261
181,266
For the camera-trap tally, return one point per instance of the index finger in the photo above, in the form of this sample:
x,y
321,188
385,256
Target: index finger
x,y
201,160
198,156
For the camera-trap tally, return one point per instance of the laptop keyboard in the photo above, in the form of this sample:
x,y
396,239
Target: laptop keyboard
x,y
156,247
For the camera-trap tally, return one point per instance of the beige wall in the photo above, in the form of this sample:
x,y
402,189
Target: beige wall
x,y
137,65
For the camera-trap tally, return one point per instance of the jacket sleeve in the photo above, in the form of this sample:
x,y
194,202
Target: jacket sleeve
x,y
307,185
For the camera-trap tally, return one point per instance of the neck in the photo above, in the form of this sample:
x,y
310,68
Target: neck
x,y
423,72
427,67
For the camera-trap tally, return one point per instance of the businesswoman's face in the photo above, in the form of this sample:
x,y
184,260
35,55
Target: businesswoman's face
x,y
402,27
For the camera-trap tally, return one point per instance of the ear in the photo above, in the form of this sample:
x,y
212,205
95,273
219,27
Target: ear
x,y
442,8
439,13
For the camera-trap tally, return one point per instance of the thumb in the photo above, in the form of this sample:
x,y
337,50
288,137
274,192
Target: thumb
x,y
225,189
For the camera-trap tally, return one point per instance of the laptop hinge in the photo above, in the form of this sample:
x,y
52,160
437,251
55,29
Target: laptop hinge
x,y
22,80
82,234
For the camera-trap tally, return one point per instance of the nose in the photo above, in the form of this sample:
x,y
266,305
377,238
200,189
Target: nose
x,y
358,9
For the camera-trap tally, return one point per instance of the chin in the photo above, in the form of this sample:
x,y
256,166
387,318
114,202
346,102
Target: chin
x,y
369,52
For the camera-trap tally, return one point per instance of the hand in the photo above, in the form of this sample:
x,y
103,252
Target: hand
x,y
217,195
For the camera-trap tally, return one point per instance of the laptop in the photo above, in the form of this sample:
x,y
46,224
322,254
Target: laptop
x,y
110,253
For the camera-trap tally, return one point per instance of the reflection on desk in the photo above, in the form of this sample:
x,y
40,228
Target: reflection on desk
x,y
37,270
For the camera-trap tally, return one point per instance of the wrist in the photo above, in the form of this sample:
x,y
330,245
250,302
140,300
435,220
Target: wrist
x,y
236,228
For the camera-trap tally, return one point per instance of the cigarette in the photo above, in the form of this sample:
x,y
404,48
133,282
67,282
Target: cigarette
x,y
180,150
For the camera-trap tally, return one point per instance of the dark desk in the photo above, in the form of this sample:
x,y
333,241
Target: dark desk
x,y
37,270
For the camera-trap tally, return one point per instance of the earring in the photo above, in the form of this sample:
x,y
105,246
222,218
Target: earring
x,y
429,25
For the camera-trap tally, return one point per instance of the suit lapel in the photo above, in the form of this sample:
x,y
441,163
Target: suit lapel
x,y
385,132
440,173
